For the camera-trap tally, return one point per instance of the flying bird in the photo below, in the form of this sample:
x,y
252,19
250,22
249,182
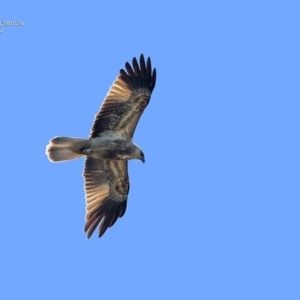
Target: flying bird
x,y
110,146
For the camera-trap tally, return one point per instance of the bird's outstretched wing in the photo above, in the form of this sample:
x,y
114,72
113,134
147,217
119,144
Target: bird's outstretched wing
x,y
126,99
106,191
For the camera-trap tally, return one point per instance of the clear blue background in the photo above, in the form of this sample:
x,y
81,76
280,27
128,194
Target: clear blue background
x,y
214,211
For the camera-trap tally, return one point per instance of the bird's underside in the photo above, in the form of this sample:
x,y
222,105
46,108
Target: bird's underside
x,y
110,145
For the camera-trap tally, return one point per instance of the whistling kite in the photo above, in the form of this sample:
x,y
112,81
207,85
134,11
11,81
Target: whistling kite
x,y
110,145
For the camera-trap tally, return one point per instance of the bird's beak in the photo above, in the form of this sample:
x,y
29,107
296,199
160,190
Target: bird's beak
x,y
143,160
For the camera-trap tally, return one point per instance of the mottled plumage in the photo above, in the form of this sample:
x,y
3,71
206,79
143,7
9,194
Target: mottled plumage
x,y
110,145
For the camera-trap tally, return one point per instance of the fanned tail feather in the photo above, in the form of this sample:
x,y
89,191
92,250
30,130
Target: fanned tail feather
x,y
64,148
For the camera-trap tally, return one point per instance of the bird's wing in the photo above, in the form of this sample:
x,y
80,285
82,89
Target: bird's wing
x,y
126,99
106,191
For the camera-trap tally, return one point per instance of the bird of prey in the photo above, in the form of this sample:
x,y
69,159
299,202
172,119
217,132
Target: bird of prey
x,y
110,145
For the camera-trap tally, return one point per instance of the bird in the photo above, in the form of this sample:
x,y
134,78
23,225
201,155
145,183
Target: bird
x,y
110,145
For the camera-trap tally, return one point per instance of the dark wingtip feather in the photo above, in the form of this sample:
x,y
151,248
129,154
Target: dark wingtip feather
x,y
129,69
139,75
153,79
91,227
136,67
149,67
142,64
105,216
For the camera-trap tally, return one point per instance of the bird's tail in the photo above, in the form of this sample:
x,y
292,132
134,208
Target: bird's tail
x,y
65,148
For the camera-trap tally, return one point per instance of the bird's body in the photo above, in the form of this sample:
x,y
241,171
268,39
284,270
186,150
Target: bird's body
x,y
110,146
106,146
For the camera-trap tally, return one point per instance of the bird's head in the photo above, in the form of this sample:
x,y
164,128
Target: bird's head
x,y
138,154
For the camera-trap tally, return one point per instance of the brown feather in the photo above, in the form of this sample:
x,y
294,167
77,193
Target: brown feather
x,y
126,99
106,187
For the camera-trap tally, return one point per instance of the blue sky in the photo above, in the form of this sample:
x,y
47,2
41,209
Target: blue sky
x,y
214,211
